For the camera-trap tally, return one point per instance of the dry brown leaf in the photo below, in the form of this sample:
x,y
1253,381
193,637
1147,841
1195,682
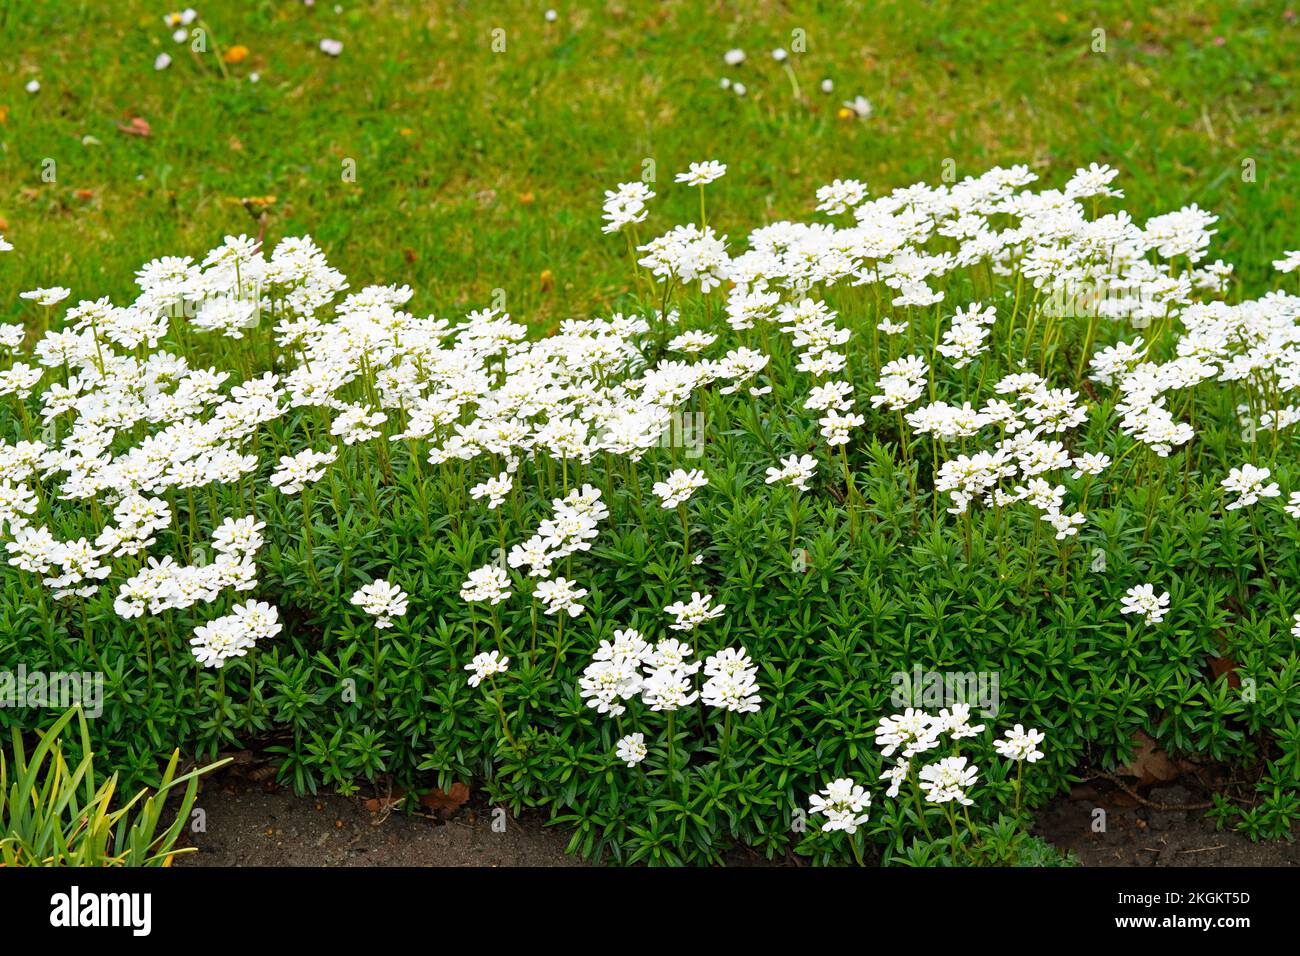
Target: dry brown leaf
x,y
445,803
1150,764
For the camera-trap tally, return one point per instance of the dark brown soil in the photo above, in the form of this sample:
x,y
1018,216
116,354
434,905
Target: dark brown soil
x,y
263,826
1137,834
256,824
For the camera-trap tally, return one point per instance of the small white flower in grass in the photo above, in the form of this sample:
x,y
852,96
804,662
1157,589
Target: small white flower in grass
x,y
488,584
295,472
701,174
605,684
235,634
840,195
738,88
631,749
382,601
180,36
162,61
672,654
956,722
560,595
495,489
241,537
1020,744
692,341
1090,464
948,780
844,803
731,684
33,86
331,47
1293,505
668,688
5,246
734,57
1142,599
1247,482
691,614
780,54
828,85
1289,262
796,471
46,297
485,665
679,486
914,731
1295,628
861,106
1065,525
897,776
551,16
835,427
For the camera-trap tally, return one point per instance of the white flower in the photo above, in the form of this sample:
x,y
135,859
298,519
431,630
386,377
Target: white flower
x,y
485,665
1289,262
701,174
733,57
162,61
1020,744
560,595
1142,599
948,780
331,47
46,297
382,601
494,489
679,486
631,749
914,731
235,634
691,614
488,584
844,804
795,471
1247,482
859,105
731,684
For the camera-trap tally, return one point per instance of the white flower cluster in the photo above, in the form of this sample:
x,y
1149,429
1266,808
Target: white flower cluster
x,y
235,634
945,780
661,675
382,601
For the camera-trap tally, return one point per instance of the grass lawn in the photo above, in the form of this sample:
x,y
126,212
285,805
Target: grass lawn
x,y
478,170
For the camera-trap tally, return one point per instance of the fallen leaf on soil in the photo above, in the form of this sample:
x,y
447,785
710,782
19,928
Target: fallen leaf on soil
x,y
1150,764
381,804
448,802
